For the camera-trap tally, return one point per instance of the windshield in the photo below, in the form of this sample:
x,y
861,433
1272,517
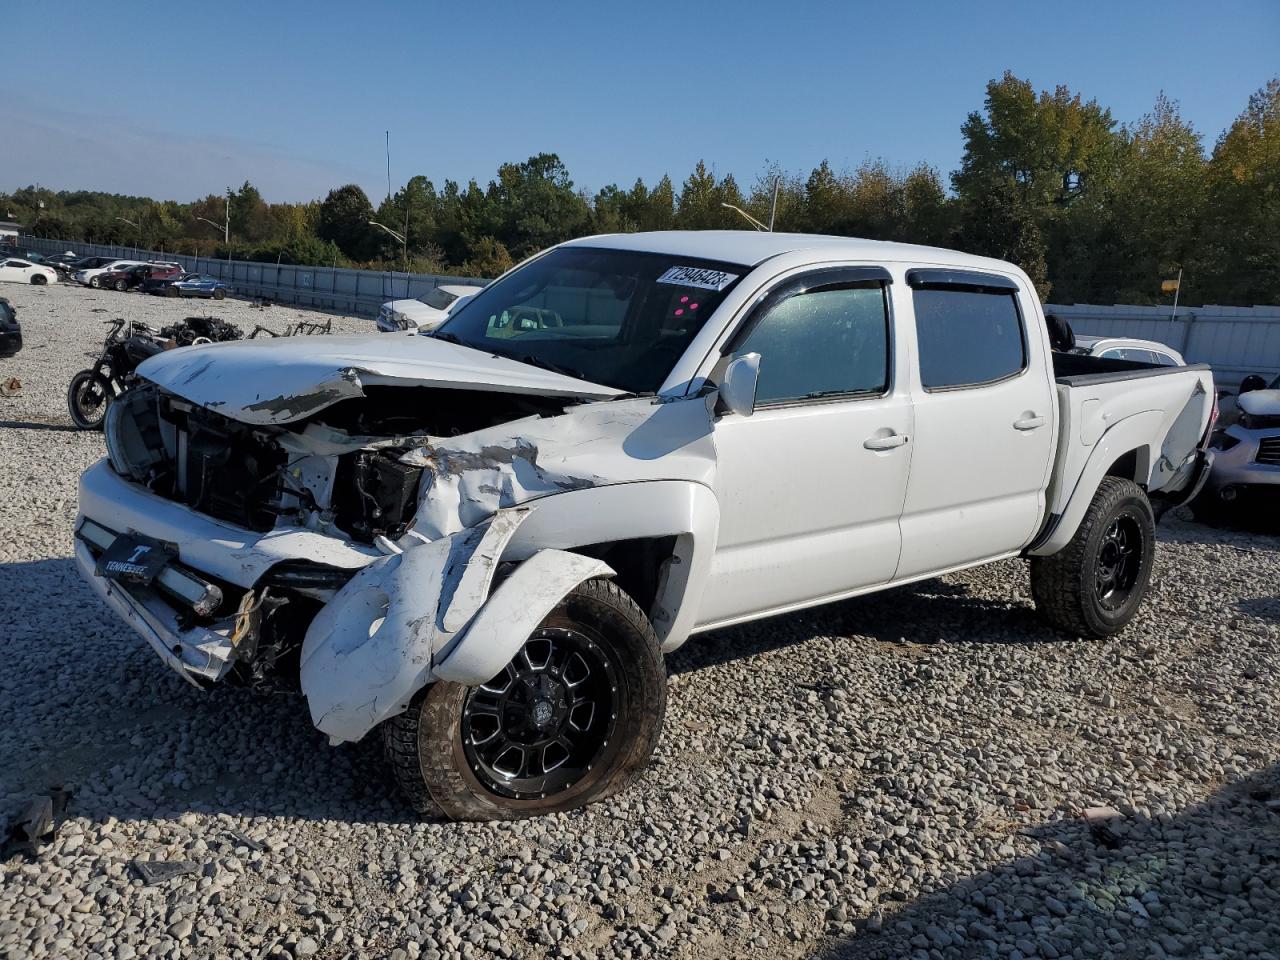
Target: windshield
x,y
609,316
438,298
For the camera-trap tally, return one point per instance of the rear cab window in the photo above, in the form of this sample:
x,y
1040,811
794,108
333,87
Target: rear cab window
x,y
969,328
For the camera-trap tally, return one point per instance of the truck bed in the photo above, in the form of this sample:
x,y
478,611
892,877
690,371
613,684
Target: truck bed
x,y
1108,408
1078,370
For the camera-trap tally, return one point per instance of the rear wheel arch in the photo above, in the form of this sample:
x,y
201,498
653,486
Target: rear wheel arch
x,y
1134,465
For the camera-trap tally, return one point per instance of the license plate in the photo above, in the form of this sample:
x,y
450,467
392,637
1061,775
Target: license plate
x,y
133,558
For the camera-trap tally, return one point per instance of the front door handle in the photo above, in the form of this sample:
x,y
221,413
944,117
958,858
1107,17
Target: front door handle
x,y
1028,423
885,443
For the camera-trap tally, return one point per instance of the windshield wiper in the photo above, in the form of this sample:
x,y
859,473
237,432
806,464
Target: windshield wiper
x,y
553,367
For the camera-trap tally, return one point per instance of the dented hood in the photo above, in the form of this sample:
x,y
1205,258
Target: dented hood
x,y
290,378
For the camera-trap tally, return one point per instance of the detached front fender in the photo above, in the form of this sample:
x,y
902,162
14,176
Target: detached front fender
x,y
394,626
514,611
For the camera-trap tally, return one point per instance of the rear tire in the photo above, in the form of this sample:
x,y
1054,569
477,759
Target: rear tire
x,y
1094,585
88,398
121,286
218,294
172,292
443,751
95,282
38,280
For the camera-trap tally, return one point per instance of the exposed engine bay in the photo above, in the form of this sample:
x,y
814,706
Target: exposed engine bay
x,y
348,470
356,471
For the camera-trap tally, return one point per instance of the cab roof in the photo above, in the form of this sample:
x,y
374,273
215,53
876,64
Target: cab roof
x,y
752,247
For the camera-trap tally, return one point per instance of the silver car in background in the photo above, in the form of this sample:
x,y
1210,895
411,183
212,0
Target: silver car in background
x,y
1247,453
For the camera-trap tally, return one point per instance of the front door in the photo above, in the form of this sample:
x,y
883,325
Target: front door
x,y
811,484
985,428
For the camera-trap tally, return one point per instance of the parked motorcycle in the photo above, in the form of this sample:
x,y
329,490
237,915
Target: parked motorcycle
x,y
126,346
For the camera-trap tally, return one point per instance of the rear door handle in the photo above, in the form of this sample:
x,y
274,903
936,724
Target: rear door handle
x,y
1028,423
885,443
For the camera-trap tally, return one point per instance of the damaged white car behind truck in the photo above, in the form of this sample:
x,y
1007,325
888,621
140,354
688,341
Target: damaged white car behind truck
x,y
483,540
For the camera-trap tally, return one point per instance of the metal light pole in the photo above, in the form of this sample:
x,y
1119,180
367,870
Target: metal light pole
x,y
136,227
225,226
749,218
401,238
773,209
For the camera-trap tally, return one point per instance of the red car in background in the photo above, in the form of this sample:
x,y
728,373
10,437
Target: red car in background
x,y
128,278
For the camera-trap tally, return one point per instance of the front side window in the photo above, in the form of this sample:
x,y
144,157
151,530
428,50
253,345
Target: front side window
x,y
616,317
967,337
821,343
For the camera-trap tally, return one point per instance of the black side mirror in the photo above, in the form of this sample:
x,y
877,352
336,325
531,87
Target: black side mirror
x,y
1253,382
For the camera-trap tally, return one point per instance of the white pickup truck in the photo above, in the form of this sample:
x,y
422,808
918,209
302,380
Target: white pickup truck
x,y
482,541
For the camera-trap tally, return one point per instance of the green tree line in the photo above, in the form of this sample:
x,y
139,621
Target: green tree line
x,y
1094,210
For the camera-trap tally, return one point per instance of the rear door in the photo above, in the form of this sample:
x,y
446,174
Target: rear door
x,y
811,484
984,421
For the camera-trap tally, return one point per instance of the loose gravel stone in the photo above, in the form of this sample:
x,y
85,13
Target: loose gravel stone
x,y
899,775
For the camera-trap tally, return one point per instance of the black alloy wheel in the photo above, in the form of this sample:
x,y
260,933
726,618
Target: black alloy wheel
x,y
1119,562
539,726
571,719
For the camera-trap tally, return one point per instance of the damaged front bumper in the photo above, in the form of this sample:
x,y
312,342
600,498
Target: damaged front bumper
x,y
197,654
429,611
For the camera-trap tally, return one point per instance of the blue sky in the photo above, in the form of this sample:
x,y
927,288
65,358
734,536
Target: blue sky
x,y
179,101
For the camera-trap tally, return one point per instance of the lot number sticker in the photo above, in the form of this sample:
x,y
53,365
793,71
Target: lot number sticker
x,y
699,277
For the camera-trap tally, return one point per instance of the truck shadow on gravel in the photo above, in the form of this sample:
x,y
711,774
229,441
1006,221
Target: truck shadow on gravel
x,y
1203,882
928,612
94,711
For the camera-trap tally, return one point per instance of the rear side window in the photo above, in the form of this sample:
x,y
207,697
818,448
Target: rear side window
x,y
967,337
825,342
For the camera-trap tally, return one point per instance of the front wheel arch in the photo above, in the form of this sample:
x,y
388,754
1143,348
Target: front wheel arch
x,y
438,773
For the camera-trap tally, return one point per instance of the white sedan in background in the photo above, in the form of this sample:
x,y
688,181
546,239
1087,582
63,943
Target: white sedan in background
x,y
427,311
1125,348
24,271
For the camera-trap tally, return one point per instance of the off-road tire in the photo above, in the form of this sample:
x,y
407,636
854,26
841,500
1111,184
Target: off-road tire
x,y
1063,585
424,744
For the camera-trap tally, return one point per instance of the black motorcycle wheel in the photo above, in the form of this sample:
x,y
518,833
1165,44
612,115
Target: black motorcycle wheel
x,y
88,397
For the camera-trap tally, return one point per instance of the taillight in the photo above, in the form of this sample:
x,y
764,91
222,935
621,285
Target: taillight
x,y
1213,422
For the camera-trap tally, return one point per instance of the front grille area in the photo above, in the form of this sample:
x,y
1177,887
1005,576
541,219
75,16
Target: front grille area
x,y
1269,451
182,452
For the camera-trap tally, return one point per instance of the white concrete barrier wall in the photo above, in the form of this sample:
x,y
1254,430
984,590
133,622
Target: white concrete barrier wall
x,y
1235,341
360,292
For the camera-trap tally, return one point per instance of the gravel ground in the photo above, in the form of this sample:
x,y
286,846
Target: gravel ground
x,y
901,775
